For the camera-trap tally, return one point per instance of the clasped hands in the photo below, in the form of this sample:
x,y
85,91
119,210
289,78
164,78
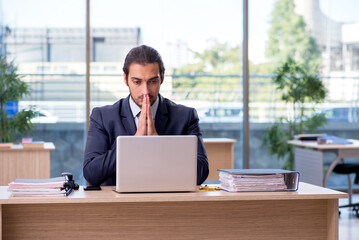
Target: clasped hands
x,y
146,125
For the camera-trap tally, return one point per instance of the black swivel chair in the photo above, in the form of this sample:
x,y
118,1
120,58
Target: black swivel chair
x,y
348,168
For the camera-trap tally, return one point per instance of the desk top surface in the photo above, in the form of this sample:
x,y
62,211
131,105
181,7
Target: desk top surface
x,y
47,146
219,140
106,195
315,145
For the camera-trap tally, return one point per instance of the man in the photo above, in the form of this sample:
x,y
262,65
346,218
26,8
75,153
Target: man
x,y
144,112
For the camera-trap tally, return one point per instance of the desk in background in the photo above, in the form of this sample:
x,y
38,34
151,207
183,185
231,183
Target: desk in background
x,y
309,213
220,153
25,163
308,159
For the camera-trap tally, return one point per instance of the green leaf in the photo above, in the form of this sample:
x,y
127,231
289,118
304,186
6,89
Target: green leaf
x,y
297,86
12,88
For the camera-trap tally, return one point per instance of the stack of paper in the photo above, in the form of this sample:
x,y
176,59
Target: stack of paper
x,y
5,145
237,180
52,187
38,144
332,140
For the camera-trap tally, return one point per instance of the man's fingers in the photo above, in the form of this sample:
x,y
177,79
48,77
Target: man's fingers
x,y
151,129
142,120
146,125
144,106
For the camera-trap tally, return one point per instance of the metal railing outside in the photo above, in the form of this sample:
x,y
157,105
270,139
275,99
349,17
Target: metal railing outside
x,y
63,95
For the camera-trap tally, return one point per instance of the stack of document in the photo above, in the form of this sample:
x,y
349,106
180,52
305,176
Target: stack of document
x,y
52,187
38,144
332,140
252,180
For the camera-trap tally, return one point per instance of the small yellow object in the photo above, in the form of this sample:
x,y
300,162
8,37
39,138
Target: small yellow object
x,y
209,188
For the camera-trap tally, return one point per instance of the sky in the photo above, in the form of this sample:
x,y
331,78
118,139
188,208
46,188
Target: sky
x,y
160,21
166,21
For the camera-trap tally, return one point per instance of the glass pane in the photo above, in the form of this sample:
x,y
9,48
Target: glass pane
x,y
200,43
46,41
320,35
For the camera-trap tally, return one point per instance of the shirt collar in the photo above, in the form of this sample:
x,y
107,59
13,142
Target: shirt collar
x,y
136,109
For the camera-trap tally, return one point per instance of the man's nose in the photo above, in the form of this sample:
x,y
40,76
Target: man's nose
x,y
144,89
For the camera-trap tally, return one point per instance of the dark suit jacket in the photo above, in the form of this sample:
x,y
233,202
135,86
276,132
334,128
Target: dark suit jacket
x,y
108,122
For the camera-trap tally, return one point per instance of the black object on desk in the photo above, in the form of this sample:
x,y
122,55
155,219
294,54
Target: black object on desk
x,y
309,137
92,188
70,183
68,191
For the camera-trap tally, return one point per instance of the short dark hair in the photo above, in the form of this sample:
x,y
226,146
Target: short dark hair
x,y
143,54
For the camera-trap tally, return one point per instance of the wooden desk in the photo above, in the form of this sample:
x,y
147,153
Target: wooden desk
x,y
309,213
220,153
24,163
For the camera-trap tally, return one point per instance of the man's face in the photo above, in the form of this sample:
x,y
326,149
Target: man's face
x,y
142,80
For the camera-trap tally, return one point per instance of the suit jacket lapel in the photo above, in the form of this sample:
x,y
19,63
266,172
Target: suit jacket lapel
x,y
127,117
161,116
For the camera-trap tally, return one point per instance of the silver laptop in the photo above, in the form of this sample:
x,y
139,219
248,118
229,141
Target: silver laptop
x,y
156,163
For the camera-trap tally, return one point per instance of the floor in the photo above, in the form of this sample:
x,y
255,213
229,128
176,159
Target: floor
x,y
348,222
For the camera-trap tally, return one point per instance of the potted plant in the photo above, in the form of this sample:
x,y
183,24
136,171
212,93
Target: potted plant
x,y
297,86
12,89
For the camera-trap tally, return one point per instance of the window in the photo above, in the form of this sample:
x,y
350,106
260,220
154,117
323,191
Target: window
x,y
200,43
324,34
46,41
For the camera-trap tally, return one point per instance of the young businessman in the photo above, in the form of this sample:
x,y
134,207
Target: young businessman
x,y
143,112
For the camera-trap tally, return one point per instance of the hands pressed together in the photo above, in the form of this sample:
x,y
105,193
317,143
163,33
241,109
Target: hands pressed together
x,y
146,125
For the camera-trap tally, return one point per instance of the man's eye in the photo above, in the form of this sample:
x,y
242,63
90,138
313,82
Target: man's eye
x,y
154,81
136,82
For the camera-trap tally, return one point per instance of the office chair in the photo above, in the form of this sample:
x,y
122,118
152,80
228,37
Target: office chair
x,y
348,168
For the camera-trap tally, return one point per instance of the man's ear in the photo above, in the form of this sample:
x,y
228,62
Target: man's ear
x,y
125,79
162,78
